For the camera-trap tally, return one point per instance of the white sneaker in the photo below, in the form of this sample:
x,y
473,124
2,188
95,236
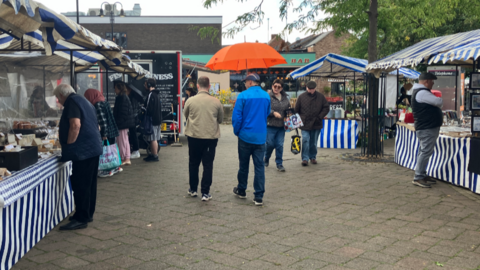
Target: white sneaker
x,y
135,155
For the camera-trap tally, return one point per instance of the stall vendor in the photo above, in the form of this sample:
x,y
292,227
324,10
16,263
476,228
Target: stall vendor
x,y
405,99
37,106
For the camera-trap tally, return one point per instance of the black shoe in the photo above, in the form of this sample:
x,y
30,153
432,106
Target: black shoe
x,y
421,183
266,163
258,201
430,180
280,168
304,163
239,193
73,225
151,159
72,219
192,193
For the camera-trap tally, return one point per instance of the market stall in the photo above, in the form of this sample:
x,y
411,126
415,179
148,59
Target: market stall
x,y
33,201
452,160
343,131
40,49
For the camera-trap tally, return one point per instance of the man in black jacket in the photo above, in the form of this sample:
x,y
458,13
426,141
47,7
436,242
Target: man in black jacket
x,y
153,105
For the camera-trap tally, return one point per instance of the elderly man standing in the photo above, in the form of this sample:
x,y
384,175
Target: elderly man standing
x,y
81,143
428,117
312,107
249,121
204,113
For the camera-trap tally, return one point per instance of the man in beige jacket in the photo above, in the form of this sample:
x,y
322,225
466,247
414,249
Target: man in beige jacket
x,y
204,113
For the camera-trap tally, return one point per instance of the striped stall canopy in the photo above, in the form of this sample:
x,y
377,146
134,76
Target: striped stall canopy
x,y
340,134
461,48
339,66
25,21
36,209
449,161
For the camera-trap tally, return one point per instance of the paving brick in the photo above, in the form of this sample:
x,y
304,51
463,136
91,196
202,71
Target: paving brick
x,y
70,262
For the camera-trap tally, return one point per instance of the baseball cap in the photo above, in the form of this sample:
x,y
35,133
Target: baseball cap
x,y
252,77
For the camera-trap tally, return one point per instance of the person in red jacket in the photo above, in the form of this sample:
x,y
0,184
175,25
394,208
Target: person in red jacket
x,y
312,107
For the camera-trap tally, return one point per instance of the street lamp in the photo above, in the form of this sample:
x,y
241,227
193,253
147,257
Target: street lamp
x,y
112,15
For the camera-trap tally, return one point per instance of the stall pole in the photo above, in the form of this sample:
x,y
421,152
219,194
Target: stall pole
x,y
456,88
44,84
344,93
398,86
354,95
384,105
72,70
78,14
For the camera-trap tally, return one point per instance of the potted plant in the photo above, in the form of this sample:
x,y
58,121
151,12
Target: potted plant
x,y
327,90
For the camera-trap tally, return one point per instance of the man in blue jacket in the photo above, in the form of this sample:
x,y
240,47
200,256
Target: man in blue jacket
x,y
250,126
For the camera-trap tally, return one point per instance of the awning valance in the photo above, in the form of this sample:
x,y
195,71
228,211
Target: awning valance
x,y
461,48
343,67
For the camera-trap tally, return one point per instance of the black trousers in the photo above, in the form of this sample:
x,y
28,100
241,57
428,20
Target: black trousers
x,y
201,151
133,139
84,185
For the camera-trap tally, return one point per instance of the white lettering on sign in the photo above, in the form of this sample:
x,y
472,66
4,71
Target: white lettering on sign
x,y
115,76
161,77
336,106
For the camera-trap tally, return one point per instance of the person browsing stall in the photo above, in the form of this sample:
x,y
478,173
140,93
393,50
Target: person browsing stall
x,y
428,117
153,106
81,143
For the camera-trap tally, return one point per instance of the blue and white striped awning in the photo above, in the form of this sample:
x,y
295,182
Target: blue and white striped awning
x,y
343,67
461,48
58,35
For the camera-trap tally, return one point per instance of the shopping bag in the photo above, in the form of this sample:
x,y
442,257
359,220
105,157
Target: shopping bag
x,y
146,125
110,159
296,144
292,120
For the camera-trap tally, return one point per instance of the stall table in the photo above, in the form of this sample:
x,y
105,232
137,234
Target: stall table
x,y
449,161
338,133
33,201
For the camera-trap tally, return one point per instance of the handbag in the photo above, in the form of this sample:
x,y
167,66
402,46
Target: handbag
x,y
147,126
110,158
296,144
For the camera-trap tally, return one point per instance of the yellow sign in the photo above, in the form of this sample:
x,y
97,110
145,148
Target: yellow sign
x,y
164,126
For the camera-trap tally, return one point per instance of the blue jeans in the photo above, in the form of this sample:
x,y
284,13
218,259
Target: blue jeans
x,y
275,139
309,144
257,151
428,140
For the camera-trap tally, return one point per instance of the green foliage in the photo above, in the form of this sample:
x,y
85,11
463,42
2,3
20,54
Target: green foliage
x,y
327,89
401,23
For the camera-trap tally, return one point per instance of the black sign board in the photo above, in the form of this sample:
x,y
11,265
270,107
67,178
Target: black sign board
x,y
165,70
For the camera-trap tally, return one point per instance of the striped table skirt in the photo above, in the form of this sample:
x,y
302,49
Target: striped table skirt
x,y
449,161
25,220
338,134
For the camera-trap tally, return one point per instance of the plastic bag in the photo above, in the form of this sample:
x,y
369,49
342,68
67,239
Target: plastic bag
x,y
110,159
292,120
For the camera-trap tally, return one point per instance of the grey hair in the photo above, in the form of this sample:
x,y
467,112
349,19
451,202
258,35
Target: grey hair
x,y
64,90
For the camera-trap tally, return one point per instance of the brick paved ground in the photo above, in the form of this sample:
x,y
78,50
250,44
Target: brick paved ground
x,y
335,215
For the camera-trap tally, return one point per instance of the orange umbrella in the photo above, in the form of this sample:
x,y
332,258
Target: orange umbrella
x,y
245,56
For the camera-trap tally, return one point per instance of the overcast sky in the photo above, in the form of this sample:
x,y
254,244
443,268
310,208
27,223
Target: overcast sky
x,y
230,9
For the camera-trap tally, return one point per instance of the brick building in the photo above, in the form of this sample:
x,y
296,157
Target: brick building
x,y
156,32
321,45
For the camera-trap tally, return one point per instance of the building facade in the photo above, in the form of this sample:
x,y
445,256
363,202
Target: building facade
x,y
155,33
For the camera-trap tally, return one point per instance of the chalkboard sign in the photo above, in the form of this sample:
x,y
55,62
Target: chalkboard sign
x,y
109,92
165,70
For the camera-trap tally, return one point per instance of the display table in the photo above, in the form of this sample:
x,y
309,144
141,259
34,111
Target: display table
x,y
338,134
33,201
449,161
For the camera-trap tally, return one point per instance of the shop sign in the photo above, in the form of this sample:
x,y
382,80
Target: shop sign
x,y
443,72
299,61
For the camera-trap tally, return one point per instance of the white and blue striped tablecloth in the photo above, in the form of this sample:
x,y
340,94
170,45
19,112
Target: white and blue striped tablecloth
x,y
34,200
449,161
338,134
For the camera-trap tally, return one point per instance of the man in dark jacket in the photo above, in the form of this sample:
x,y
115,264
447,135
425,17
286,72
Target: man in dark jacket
x,y
428,117
137,101
153,106
81,143
312,107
